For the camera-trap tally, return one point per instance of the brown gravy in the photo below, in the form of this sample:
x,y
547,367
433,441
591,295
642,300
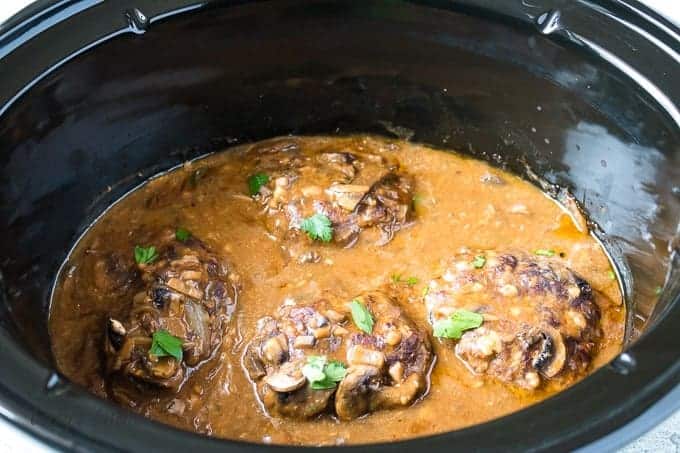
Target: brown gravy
x,y
459,203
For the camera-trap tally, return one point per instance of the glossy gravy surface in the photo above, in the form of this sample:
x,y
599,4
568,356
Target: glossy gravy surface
x,y
459,202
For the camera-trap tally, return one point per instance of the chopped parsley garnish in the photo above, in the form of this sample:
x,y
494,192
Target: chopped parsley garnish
x,y
479,261
256,181
361,316
318,227
410,281
658,290
313,369
544,252
612,275
335,370
322,374
164,344
457,323
145,255
426,291
182,235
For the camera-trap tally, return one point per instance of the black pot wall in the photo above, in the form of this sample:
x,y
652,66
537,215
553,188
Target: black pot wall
x,y
490,80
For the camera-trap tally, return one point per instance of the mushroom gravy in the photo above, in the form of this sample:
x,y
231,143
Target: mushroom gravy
x,y
241,257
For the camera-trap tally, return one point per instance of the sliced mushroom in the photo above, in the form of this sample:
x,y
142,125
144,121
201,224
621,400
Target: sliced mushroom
x,y
544,350
335,316
360,355
177,285
304,341
353,397
347,196
550,368
285,382
386,205
186,260
275,349
301,403
322,332
340,331
198,321
191,275
397,395
116,333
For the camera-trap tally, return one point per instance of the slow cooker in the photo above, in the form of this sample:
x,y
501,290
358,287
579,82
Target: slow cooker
x,y
97,96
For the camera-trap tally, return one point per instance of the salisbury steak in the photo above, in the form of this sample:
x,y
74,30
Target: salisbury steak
x,y
348,358
343,192
177,318
539,318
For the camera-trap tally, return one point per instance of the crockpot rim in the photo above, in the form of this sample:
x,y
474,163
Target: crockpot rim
x,y
20,410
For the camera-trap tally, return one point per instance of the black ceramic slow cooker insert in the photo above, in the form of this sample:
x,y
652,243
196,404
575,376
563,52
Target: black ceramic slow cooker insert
x,y
96,96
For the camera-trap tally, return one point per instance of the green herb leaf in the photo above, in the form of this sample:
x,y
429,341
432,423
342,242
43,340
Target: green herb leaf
x,y
361,316
317,361
335,371
145,255
323,384
411,281
457,323
322,375
426,291
313,369
612,275
479,261
256,181
544,252
318,227
164,344
658,290
182,235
